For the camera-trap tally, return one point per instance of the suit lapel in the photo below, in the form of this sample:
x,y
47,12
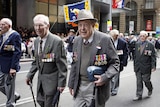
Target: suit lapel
x,y
95,44
47,44
79,48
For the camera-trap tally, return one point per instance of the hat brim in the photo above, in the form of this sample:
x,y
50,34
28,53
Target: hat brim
x,y
82,19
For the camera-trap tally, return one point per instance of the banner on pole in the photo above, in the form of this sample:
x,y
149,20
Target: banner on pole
x,y
71,10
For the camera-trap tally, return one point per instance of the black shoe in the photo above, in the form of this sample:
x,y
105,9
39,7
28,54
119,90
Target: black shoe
x,y
149,93
137,98
113,94
17,97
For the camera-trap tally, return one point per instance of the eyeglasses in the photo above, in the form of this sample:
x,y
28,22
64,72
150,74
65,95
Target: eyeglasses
x,y
39,25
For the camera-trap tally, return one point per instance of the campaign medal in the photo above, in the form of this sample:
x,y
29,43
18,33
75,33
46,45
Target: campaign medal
x,y
105,59
96,60
99,59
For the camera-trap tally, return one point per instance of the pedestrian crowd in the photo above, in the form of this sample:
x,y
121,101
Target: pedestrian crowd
x,y
96,60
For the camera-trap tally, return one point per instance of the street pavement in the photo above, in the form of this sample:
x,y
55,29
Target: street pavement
x,y
126,93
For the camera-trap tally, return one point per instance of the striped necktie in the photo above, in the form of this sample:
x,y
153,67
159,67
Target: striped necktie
x,y
86,42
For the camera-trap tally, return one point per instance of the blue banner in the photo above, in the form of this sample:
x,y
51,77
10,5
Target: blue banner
x,y
71,10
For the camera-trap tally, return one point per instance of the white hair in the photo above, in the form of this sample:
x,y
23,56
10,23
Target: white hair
x,y
114,32
7,21
41,17
143,33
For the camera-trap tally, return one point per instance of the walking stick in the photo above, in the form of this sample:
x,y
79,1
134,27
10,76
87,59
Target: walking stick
x,y
93,99
30,85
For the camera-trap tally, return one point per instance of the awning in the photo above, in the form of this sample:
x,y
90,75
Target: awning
x,y
120,10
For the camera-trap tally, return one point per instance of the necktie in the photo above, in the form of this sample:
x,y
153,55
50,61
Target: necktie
x,y
141,47
40,50
86,42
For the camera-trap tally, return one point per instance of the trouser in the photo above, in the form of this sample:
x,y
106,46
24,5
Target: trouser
x,y
115,83
7,87
140,79
43,99
85,95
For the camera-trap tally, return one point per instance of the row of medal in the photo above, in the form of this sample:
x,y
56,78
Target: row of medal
x,y
48,57
100,60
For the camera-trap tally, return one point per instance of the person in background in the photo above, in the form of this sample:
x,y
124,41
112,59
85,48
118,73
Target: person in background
x,y
70,41
144,64
91,47
50,61
122,51
131,46
10,54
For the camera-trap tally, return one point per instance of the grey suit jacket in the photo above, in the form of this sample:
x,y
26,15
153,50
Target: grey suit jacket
x,y
53,69
147,60
101,44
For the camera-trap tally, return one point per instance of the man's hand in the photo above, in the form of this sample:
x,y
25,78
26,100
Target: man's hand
x,y
28,81
71,91
61,89
12,72
153,69
99,81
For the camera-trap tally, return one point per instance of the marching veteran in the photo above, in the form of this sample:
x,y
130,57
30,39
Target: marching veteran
x,y
50,61
10,54
144,64
91,48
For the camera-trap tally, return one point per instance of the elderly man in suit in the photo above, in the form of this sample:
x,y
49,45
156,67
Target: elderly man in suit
x,y
122,51
50,61
90,48
10,54
144,64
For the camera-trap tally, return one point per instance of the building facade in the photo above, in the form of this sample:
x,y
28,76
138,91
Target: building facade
x,y
145,15
22,12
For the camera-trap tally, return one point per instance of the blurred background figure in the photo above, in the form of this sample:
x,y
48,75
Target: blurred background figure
x,y
122,51
70,41
144,64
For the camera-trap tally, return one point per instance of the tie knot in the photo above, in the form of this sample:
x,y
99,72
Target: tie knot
x,y
86,42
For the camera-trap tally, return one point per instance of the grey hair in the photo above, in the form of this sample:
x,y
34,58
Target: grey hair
x,y
41,17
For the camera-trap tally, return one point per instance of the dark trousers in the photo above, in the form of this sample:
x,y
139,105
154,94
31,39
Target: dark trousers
x,y
140,79
43,99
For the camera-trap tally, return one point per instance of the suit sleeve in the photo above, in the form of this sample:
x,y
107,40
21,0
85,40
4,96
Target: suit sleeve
x,y
113,60
61,64
17,52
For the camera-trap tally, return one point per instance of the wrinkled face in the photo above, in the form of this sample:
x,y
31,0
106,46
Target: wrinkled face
x,y
41,28
143,37
114,37
4,27
85,28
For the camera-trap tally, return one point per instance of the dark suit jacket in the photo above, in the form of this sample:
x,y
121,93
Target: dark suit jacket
x,y
10,56
147,60
53,69
122,46
101,44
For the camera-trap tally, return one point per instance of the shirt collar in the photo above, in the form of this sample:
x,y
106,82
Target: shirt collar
x,y
90,39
